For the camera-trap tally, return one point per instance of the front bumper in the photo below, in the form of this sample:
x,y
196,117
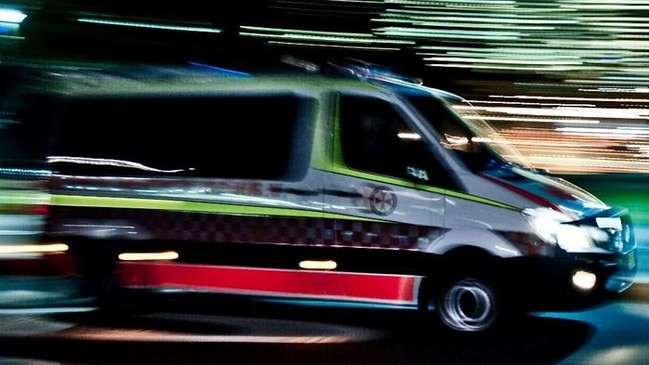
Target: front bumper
x,y
624,272
616,269
570,281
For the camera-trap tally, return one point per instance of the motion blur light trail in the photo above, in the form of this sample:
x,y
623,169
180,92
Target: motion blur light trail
x,y
599,42
565,81
591,42
572,134
592,110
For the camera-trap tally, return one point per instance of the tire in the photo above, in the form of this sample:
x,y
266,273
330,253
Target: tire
x,y
468,305
108,295
102,284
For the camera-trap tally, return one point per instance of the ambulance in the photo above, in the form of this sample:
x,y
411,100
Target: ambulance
x,y
353,187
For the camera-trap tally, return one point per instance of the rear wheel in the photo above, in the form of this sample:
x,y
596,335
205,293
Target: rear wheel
x,y
102,283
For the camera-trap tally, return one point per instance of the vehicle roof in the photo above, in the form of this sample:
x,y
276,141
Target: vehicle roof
x,y
165,80
101,82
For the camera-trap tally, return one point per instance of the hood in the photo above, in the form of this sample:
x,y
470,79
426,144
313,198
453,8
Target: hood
x,y
547,190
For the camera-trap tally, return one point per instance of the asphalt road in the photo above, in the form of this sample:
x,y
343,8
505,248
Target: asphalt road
x,y
614,333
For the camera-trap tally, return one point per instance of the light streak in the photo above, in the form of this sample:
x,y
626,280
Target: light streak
x,y
150,25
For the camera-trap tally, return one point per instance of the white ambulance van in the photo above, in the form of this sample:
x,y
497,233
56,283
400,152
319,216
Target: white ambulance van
x,y
357,188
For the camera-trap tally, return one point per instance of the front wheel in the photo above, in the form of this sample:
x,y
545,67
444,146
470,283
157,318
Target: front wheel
x,y
467,305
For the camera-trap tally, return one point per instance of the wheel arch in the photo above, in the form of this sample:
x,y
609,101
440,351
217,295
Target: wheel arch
x,y
461,258
485,273
481,239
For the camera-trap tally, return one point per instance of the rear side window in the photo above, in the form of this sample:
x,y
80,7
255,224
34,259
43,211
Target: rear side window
x,y
25,122
260,137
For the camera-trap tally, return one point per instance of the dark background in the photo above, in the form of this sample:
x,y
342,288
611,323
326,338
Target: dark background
x,y
51,33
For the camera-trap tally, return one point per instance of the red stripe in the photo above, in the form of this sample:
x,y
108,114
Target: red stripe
x,y
294,283
55,264
526,194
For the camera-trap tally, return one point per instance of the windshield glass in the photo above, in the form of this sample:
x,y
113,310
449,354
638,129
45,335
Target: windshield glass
x,y
462,130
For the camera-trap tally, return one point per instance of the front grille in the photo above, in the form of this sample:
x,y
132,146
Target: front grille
x,y
620,240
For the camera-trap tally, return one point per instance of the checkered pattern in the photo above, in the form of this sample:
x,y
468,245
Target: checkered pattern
x,y
168,225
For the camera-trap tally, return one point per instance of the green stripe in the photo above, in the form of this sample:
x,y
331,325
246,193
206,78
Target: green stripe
x,y
409,185
203,207
23,197
199,207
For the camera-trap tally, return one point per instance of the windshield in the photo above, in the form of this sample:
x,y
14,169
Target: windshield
x,y
462,130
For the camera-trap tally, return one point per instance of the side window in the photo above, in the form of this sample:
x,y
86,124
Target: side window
x,y
455,134
25,123
369,135
256,137
375,138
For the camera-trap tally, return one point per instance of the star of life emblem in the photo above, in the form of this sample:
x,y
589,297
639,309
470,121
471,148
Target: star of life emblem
x,y
383,201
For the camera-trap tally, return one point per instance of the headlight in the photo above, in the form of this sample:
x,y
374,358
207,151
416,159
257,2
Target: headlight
x,y
553,227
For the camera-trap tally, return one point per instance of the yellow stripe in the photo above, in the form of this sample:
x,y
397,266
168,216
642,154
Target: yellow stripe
x,y
409,185
200,207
